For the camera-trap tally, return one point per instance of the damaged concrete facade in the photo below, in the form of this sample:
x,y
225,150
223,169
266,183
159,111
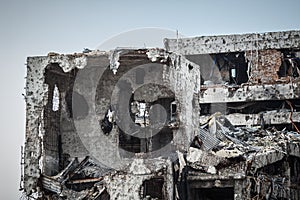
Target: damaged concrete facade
x,y
205,118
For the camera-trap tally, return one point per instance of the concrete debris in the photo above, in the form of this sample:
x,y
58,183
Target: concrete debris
x,y
211,117
69,62
114,60
155,54
76,175
249,151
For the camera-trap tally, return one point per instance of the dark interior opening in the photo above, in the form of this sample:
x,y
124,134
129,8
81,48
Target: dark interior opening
x,y
153,188
214,193
80,186
248,107
234,64
129,143
276,168
145,145
223,67
290,64
142,115
273,177
104,196
76,104
161,139
294,164
58,82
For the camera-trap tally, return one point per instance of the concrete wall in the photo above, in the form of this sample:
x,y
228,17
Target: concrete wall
x,y
233,43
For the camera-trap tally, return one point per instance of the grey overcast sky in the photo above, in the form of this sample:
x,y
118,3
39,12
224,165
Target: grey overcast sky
x,y
32,27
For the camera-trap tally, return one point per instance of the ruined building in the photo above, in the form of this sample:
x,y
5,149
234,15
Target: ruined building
x,y
211,117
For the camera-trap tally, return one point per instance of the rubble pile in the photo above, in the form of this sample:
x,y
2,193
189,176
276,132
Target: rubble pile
x,y
259,156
